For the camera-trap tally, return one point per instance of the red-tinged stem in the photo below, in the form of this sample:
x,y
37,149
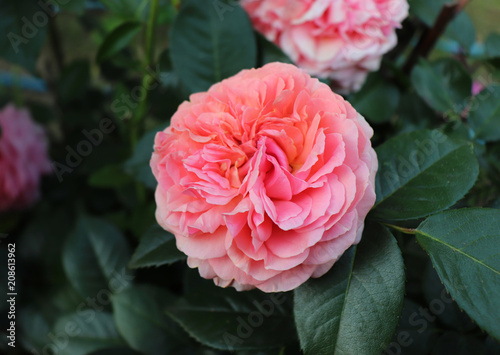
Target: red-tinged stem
x,y
430,36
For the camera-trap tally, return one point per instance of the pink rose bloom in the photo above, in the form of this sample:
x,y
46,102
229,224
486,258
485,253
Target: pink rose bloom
x,y
265,179
23,158
338,39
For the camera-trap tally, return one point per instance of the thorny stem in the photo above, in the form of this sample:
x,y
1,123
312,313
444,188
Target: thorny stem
x,y
147,78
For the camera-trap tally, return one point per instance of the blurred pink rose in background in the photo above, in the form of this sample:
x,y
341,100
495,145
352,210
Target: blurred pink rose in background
x,y
338,39
477,87
23,158
266,179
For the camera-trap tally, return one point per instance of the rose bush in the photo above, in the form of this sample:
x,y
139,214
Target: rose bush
x,y
23,158
338,39
265,179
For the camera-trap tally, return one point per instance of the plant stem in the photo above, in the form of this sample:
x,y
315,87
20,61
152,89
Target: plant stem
x,y
401,229
430,36
147,79
137,123
150,32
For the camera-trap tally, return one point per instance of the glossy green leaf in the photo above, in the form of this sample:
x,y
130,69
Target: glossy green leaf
x,y
73,6
492,45
95,257
210,42
484,114
118,39
35,327
23,33
140,319
444,84
78,334
422,172
135,10
427,11
377,100
229,320
354,308
461,30
157,247
463,246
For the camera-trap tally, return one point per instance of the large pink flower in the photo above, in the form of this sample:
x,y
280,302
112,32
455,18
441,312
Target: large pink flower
x,y
23,158
338,39
265,179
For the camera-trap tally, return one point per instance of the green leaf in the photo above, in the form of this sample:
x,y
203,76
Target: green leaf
x,y
427,11
23,33
463,246
157,247
73,6
377,100
354,308
34,326
492,45
95,257
211,42
140,318
82,335
422,172
461,30
111,176
484,114
118,39
138,165
136,10
444,84
229,320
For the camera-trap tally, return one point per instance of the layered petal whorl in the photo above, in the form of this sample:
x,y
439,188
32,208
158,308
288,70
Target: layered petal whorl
x,y
265,179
